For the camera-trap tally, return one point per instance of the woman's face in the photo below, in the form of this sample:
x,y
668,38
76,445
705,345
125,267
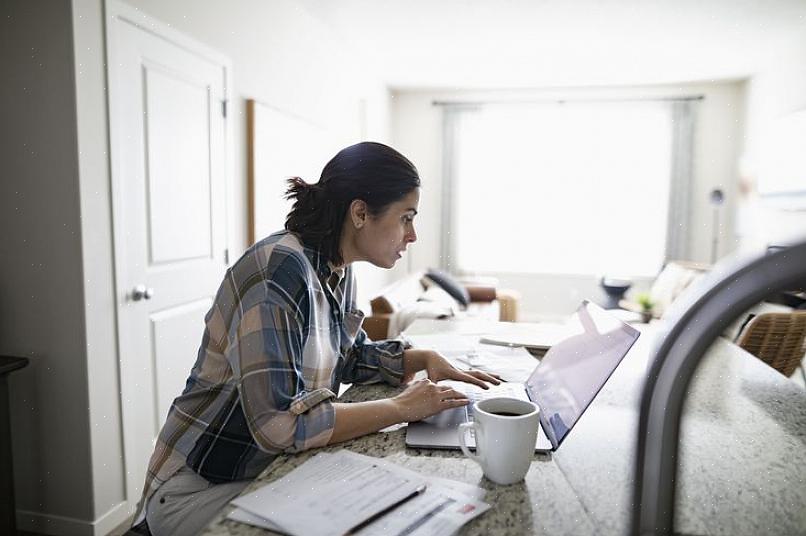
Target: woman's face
x,y
382,239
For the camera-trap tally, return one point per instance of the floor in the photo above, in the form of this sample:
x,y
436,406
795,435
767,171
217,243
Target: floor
x,y
120,530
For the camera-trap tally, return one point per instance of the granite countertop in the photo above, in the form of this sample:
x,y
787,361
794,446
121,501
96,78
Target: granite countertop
x,y
742,454
544,503
742,458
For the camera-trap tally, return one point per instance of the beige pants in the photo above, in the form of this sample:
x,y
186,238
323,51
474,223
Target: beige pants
x,y
187,502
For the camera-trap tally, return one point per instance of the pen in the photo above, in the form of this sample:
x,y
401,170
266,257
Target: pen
x,y
385,511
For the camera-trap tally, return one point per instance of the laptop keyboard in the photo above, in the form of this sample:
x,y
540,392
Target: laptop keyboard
x,y
475,393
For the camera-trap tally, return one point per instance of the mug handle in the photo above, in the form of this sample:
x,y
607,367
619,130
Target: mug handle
x,y
463,429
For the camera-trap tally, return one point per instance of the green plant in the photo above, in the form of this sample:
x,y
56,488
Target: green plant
x,y
645,301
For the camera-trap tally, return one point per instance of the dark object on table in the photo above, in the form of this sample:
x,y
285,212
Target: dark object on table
x,y
794,297
791,298
614,288
8,521
449,285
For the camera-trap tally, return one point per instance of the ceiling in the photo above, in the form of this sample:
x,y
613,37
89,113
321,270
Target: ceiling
x,y
533,43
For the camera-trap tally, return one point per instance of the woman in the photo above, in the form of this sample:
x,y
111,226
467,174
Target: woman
x,y
281,336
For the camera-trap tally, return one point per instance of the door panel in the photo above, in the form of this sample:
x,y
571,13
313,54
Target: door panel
x,y
174,333
168,152
177,112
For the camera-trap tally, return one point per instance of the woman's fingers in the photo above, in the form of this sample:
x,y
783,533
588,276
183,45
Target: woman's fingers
x,y
494,379
447,394
467,377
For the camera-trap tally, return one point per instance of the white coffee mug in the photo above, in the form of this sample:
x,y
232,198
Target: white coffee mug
x,y
506,431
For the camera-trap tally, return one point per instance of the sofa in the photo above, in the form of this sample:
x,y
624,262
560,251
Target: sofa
x,y
433,294
781,345
672,280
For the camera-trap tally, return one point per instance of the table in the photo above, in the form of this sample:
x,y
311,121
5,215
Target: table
x,y
8,522
742,462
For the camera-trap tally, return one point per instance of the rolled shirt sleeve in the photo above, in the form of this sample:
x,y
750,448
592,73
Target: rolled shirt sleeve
x,y
267,359
373,362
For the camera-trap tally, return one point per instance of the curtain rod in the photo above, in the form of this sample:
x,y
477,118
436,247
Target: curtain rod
x,y
571,99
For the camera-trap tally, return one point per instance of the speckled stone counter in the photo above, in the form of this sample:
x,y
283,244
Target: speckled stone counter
x,y
742,458
543,504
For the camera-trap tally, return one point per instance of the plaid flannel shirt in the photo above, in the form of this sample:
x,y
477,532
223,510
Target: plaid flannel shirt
x,y
282,334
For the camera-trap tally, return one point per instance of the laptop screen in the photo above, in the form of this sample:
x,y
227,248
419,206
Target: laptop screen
x,y
574,370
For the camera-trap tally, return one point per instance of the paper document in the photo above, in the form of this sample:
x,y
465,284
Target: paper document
x,y
436,512
512,364
444,342
446,336
330,494
541,336
511,361
445,506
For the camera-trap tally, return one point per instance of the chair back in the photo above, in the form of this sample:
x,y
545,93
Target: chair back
x,y
777,339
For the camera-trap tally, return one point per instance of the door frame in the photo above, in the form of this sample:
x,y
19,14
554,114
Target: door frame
x,y
118,12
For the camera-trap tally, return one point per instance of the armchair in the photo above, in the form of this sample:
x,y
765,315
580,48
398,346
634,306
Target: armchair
x,y
777,339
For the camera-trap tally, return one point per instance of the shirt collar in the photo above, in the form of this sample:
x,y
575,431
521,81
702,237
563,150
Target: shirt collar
x,y
324,268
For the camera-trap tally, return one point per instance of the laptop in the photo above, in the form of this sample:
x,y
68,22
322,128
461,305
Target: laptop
x,y
563,384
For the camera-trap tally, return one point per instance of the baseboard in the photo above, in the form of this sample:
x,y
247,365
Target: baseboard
x,y
69,526
112,519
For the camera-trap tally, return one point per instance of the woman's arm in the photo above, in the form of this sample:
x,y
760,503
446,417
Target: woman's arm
x,y
419,400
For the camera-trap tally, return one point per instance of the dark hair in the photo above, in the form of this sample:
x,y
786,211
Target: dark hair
x,y
372,172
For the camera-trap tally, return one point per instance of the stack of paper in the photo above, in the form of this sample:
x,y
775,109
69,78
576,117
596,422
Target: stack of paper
x,y
512,364
348,493
541,336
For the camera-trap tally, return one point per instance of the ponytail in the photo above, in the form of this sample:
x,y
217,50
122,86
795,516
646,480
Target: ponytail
x,y
312,217
302,193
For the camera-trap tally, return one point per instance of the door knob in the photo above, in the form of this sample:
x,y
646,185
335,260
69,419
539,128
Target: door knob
x,y
141,292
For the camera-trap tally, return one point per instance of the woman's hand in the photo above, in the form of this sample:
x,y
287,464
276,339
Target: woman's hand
x,y
424,398
438,368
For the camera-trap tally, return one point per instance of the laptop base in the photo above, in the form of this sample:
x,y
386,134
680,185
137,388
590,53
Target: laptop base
x,y
428,436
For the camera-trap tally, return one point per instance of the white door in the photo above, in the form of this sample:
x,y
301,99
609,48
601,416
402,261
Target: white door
x,y
168,140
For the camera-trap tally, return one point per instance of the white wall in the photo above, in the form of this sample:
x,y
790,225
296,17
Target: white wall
x,y
108,470
56,277
417,131
285,58
775,91
41,279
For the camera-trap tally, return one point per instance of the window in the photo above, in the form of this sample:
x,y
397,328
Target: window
x,y
564,188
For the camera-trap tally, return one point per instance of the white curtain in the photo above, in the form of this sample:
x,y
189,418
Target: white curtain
x,y
677,239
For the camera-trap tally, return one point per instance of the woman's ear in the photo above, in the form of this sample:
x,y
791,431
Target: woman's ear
x,y
358,213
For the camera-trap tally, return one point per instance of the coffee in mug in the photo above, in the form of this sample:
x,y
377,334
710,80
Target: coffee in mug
x,y
506,432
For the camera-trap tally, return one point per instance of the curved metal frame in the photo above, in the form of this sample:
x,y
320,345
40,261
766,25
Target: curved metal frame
x,y
696,319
